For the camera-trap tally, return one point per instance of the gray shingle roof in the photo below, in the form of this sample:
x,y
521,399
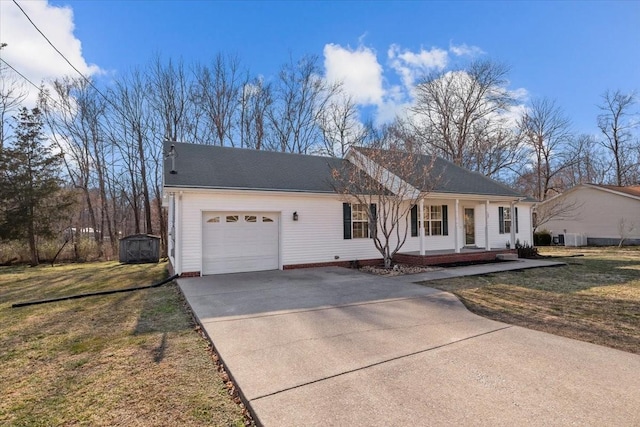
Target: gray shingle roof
x,y
208,166
451,178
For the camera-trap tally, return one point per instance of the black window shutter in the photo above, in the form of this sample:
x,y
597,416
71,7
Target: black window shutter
x,y
501,219
414,220
373,221
445,220
516,220
346,217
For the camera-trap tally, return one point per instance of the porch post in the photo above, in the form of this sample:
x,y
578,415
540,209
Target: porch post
x,y
455,227
531,225
421,226
513,224
487,244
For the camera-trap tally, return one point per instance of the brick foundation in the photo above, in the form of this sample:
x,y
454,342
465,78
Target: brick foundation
x,y
443,259
190,274
346,264
450,258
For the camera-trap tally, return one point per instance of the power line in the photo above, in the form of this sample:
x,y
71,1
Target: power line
x,y
39,88
21,75
68,62
52,45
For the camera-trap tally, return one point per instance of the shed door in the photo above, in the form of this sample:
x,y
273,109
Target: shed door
x,y
240,241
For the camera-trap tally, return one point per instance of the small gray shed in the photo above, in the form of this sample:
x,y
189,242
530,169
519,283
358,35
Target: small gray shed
x,y
140,249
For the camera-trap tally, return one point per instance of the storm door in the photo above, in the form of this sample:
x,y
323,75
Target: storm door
x,y
469,227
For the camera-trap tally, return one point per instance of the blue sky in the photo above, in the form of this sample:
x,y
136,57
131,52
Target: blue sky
x,y
568,51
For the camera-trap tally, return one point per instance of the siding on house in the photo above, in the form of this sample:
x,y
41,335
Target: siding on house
x,y
317,236
598,214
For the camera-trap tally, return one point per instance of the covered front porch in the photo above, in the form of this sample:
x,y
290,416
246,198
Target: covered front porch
x,y
445,257
466,225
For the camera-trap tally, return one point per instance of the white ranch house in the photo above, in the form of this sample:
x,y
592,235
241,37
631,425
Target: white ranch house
x,y
238,210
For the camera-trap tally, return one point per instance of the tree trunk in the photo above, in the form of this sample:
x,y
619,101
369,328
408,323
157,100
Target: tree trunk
x,y
145,186
33,250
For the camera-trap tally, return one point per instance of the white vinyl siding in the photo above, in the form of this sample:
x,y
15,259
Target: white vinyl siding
x,y
316,237
318,234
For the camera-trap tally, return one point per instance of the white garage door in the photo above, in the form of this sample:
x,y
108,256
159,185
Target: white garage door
x,y
239,241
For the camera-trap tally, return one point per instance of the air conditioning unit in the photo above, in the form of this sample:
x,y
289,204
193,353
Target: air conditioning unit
x,y
575,239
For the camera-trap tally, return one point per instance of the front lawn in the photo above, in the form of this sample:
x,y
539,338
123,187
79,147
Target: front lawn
x,y
595,298
124,359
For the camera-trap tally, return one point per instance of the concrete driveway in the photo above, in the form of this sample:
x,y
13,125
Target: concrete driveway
x,y
333,346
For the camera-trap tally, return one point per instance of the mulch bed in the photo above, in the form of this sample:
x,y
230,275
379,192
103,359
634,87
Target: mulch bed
x,y
397,269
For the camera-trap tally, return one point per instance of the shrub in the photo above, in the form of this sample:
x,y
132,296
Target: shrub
x,y
13,252
87,250
542,238
526,251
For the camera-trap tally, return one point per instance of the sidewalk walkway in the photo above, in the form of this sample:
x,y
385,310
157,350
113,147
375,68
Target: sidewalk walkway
x,y
477,270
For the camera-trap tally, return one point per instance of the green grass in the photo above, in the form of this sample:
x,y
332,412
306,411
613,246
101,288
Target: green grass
x,y
123,359
595,298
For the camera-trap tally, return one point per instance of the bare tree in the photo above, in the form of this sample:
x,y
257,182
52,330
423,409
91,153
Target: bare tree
x,y
170,98
625,228
300,96
378,184
615,124
132,131
74,118
255,102
12,93
546,131
590,165
459,114
340,126
495,148
558,208
218,93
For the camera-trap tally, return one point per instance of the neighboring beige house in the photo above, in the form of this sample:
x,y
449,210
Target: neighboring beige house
x,y
602,213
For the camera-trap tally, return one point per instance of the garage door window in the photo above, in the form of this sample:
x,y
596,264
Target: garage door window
x,y
267,219
232,218
250,218
214,219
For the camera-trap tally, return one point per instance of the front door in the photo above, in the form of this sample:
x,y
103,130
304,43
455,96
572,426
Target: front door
x,y
469,227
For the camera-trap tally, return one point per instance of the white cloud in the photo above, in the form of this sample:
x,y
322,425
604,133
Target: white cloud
x,y
413,65
367,81
465,50
358,70
28,52
519,94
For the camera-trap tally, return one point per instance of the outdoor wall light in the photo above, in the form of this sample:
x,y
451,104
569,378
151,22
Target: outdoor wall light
x,y
295,216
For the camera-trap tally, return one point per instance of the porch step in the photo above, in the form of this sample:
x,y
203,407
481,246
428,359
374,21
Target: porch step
x,y
507,257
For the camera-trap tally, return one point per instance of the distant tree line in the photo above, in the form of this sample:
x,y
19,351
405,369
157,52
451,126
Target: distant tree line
x,y
111,139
